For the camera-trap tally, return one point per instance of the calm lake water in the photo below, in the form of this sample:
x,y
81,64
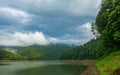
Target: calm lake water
x,y
40,68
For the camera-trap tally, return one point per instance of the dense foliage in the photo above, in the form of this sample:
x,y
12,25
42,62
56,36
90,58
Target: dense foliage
x,y
109,64
34,52
86,51
49,52
108,24
6,55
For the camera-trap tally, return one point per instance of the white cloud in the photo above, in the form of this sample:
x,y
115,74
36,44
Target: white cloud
x,y
24,39
14,14
30,38
85,28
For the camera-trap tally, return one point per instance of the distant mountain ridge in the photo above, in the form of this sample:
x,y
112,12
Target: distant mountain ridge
x,y
39,52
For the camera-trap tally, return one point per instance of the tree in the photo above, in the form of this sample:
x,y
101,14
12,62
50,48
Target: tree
x,y
108,24
102,17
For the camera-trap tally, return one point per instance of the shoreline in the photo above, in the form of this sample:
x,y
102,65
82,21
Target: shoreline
x,y
83,62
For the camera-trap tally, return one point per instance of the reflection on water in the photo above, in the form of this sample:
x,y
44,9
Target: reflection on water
x,y
40,68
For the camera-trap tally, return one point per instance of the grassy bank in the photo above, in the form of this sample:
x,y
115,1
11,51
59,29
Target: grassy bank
x,y
109,64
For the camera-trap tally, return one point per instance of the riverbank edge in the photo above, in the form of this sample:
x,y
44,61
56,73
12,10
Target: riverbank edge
x,y
91,70
83,62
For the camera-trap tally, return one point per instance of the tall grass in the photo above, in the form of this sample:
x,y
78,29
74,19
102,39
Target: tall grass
x,y
109,64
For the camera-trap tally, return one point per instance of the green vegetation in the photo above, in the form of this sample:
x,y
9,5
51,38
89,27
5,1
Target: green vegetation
x,y
108,25
49,52
34,52
5,55
86,51
106,48
109,64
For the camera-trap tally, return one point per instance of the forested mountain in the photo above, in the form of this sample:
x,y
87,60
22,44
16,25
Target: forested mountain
x,y
6,55
52,51
86,51
35,52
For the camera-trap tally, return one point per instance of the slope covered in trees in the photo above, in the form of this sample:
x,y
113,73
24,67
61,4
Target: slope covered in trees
x,y
86,51
52,51
34,52
6,55
108,25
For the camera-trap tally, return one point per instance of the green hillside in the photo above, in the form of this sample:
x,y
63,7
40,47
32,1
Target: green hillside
x,y
86,51
108,25
34,52
6,55
109,64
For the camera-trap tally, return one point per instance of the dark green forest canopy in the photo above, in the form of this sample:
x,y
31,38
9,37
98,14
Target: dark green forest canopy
x,y
108,23
34,52
86,51
6,55
49,52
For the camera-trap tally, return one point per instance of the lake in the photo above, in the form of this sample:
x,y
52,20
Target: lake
x,y
41,68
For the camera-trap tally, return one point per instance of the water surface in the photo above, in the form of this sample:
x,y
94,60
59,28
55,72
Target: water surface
x,y
40,68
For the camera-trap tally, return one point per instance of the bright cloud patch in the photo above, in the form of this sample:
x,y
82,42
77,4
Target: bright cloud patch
x,y
13,12
86,32
85,29
12,15
25,39
30,38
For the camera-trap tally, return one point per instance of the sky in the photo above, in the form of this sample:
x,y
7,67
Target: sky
x,y
28,22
